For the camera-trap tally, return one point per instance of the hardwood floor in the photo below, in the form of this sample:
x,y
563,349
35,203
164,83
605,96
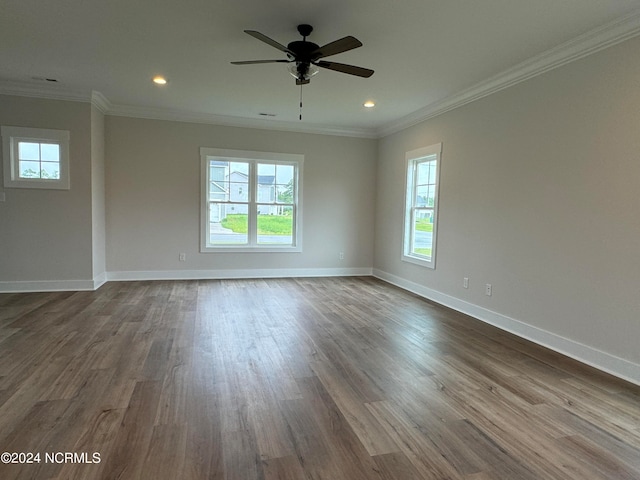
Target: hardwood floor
x,y
330,378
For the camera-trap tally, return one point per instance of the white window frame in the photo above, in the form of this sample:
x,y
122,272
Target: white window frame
x,y
11,136
253,158
412,159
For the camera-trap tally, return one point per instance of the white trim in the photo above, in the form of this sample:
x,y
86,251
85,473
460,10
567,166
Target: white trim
x,y
593,41
97,282
101,102
237,274
40,90
593,357
49,286
53,285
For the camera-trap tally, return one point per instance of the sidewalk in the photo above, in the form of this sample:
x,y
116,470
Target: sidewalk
x,y
216,227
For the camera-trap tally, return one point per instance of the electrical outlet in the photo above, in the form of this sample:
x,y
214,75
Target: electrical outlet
x,y
487,290
341,255
465,282
182,257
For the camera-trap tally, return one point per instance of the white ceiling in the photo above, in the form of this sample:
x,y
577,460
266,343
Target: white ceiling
x,y
427,54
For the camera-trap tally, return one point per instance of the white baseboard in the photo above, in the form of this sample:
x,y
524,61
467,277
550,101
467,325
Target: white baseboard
x,y
47,286
604,361
82,285
236,273
53,285
99,280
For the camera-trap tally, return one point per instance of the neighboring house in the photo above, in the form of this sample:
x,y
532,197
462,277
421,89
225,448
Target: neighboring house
x,y
229,188
217,191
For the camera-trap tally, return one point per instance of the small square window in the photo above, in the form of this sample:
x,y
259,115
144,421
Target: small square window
x,y
35,158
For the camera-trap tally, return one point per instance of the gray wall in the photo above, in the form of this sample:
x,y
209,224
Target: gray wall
x,y
46,235
153,200
539,197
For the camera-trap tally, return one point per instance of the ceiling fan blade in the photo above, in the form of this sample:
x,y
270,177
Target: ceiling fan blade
x,y
269,41
341,67
339,46
251,62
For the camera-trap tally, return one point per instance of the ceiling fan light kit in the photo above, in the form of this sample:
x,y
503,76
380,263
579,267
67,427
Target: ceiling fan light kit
x,y
305,57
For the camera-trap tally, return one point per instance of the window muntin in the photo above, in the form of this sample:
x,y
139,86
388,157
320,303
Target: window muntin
x,y
35,158
251,201
420,223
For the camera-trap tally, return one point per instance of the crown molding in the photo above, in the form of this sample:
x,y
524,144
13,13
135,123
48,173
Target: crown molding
x,y
8,87
595,40
101,102
230,121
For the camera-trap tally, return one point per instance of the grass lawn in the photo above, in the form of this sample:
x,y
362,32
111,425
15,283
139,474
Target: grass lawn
x,y
267,224
423,225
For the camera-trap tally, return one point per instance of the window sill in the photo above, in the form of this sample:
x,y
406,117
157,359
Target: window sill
x,y
419,261
256,249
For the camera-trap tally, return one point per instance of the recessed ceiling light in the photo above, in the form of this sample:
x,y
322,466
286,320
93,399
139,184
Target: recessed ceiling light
x,y
369,104
159,80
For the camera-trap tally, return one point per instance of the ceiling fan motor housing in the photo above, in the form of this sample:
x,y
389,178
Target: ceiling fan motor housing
x,y
302,50
303,57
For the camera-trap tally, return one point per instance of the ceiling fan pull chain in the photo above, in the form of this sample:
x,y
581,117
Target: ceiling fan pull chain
x,y
300,102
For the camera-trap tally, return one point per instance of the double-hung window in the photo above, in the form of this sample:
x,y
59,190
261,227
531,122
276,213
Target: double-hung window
x,y
421,207
251,201
35,158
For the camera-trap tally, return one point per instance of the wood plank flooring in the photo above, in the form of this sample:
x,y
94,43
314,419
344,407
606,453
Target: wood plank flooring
x,y
294,379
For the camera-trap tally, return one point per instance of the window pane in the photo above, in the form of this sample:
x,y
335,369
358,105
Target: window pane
x,y
422,193
285,193
217,171
238,192
432,173
275,225
266,183
423,173
422,232
239,167
285,184
50,152
431,197
50,170
29,169
218,188
266,169
28,151
284,174
228,224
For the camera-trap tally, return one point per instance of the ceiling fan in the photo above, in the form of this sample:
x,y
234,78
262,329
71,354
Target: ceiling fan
x,y
305,56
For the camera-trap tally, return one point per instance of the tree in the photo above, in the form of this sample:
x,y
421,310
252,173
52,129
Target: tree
x,y
286,196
